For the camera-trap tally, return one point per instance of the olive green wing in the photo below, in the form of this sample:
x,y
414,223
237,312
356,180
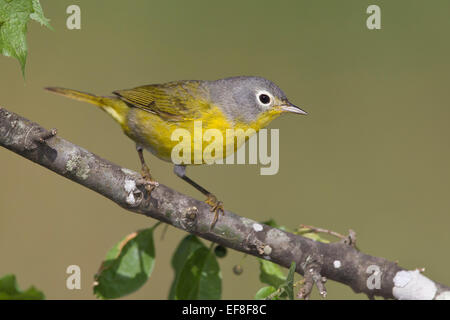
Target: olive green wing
x,y
173,101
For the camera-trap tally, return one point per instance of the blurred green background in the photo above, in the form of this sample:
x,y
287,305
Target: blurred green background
x,y
372,155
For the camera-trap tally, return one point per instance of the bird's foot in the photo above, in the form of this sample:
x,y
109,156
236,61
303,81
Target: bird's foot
x,y
216,207
147,182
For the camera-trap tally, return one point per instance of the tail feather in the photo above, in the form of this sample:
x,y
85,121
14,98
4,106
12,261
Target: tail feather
x,y
77,95
113,106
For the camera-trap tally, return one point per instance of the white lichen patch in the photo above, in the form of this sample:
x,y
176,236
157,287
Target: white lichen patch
x,y
247,222
444,296
83,173
402,278
337,264
412,285
17,138
72,162
257,227
130,187
267,250
128,171
78,166
130,199
278,236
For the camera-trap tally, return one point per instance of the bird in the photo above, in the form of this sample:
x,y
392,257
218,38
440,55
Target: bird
x,y
149,114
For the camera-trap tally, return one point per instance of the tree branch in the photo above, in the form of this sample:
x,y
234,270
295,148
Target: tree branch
x,y
318,261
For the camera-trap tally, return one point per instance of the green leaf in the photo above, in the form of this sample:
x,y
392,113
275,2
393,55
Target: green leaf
x,y
14,17
200,278
38,15
270,273
288,284
127,267
9,290
264,292
185,249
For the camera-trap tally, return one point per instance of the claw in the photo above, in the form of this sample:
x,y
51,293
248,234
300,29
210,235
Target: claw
x,y
216,207
148,183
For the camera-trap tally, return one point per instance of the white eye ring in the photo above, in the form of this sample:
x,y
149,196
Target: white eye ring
x,y
264,98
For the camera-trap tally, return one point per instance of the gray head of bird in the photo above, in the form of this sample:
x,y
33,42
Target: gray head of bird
x,y
248,98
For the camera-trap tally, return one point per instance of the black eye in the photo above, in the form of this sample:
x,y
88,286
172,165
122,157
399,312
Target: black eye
x,y
264,98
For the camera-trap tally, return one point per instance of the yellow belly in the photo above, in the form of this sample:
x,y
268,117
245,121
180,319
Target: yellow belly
x,y
157,135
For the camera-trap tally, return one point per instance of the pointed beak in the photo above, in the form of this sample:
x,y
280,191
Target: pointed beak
x,y
289,107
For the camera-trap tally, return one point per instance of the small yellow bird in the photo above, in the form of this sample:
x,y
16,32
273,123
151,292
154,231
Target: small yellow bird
x,y
149,115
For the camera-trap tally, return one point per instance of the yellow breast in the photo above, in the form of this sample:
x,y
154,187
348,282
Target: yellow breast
x,y
162,137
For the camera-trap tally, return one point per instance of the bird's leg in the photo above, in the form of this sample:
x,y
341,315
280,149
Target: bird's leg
x,y
211,200
149,183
